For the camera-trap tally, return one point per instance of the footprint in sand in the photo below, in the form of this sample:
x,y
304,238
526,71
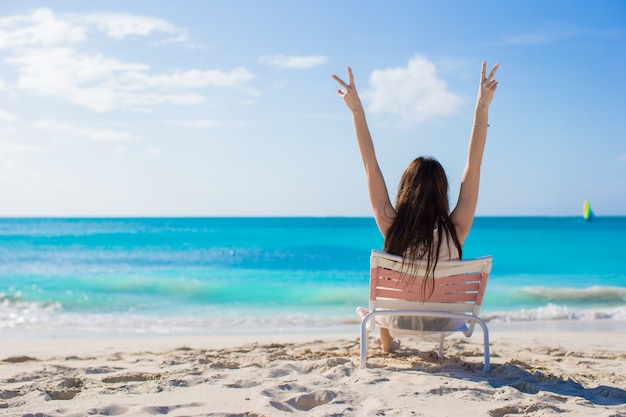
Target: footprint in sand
x,y
225,365
67,389
8,394
244,384
306,402
71,383
101,370
525,410
19,359
166,409
62,394
111,410
138,377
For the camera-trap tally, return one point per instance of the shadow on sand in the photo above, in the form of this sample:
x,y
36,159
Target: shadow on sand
x,y
515,374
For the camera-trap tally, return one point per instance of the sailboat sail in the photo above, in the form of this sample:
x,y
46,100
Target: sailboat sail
x,y
587,212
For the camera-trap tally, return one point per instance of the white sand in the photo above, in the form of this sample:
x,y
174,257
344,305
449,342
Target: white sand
x,y
533,374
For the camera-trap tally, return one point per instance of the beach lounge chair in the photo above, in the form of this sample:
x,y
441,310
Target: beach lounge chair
x,y
396,288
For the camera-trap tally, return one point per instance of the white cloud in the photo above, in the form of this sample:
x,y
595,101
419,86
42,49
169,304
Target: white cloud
x,y
293,61
414,93
119,26
622,158
153,150
7,130
8,117
17,147
89,133
42,27
103,84
192,79
195,123
42,46
58,71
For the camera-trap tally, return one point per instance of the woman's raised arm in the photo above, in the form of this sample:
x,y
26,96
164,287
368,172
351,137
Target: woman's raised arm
x,y
384,212
463,214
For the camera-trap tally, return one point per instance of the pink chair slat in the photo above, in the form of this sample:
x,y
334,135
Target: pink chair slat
x,y
418,297
395,276
483,286
458,288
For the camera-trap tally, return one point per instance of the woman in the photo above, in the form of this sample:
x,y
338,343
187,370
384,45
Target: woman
x,y
421,224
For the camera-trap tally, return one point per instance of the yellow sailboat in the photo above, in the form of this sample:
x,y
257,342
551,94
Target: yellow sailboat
x,y
587,213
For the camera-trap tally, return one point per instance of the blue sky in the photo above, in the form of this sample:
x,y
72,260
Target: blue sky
x,y
207,108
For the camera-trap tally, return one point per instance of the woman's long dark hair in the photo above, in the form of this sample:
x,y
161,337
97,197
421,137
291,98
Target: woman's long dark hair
x,y
422,206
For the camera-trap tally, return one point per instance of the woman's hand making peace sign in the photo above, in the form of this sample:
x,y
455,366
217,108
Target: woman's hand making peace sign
x,y
487,86
349,93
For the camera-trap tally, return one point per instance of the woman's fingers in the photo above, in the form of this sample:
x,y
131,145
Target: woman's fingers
x,y
346,87
493,72
483,72
340,81
350,79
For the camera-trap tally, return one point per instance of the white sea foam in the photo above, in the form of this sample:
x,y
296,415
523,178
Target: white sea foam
x,y
557,312
16,315
34,317
596,293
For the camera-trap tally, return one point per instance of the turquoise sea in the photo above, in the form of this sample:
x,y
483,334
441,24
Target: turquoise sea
x,y
242,275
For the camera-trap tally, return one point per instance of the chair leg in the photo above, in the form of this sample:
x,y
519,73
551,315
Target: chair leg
x,y
364,340
441,346
487,366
